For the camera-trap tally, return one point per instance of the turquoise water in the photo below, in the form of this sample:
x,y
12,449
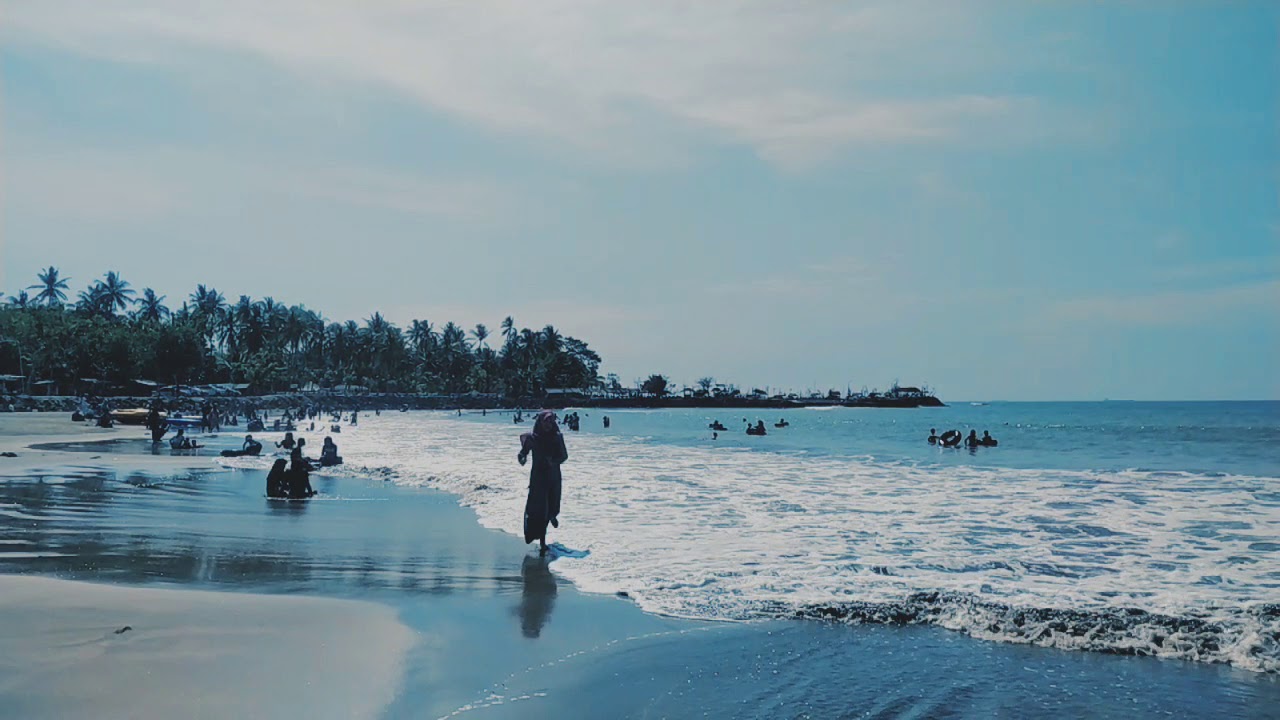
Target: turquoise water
x,y
1202,437
1137,528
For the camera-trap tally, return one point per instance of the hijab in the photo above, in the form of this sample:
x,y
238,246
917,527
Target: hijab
x,y
544,429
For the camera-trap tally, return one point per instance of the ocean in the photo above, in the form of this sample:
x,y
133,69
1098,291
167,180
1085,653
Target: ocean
x,y
1121,527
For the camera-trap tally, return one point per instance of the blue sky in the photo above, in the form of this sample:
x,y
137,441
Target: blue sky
x,y
1006,200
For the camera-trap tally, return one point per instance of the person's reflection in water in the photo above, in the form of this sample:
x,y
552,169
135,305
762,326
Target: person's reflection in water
x,y
538,597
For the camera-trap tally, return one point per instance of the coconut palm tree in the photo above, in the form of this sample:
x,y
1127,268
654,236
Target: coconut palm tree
x,y
509,330
422,336
481,333
116,293
150,307
208,308
22,300
551,339
53,289
92,301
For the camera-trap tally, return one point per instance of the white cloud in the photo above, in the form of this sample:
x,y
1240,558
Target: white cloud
x,y
133,184
795,82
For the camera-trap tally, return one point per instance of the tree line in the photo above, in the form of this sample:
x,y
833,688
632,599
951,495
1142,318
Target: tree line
x,y
114,334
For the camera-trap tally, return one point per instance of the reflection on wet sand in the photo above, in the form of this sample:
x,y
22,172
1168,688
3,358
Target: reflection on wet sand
x,y
538,596
217,528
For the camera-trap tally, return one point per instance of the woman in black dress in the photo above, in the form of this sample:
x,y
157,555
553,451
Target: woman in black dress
x,y
546,443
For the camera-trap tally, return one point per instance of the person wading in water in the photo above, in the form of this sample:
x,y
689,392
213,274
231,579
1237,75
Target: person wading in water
x,y
546,443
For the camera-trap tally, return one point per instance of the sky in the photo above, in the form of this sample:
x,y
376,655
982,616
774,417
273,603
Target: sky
x,y
1004,200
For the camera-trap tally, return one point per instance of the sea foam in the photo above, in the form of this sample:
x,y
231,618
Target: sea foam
x,y
1161,563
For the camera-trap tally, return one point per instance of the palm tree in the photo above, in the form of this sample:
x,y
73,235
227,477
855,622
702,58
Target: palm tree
x,y
422,336
22,300
150,307
116,293
509,329
52,288
376,324
551,340
208,300
481,332
207,309
91,301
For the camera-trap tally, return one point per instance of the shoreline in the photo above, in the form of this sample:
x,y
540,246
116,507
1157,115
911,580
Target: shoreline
x,y
500,634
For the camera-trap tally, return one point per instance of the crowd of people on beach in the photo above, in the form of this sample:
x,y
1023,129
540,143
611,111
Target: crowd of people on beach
x,y
544,445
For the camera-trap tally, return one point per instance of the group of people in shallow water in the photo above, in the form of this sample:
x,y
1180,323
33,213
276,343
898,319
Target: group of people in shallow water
x,y
953,439
571,420
758,428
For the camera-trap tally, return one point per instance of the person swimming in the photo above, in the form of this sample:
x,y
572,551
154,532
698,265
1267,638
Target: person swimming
x,y
972,441
987,440
782,422
933,436
757,429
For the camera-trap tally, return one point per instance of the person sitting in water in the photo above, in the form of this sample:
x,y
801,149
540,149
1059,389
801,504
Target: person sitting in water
x,y
757,429
782,422
606,422
180,441
287,443
933,436
951,438
718,426
297,457
277,480
299,475
972,441
329,454
987,440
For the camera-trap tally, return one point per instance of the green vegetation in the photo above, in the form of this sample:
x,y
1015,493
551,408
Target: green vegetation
x,y
112,333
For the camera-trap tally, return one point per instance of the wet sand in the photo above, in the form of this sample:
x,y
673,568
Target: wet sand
x,y
494,632
73,649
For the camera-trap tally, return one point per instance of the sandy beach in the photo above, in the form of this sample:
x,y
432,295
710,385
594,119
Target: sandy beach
x,y
71,646
376,600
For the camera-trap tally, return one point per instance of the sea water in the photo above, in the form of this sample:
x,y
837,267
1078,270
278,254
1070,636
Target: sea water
x,y
1138,528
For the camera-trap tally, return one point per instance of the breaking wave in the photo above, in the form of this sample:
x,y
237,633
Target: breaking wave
x,y
1172,564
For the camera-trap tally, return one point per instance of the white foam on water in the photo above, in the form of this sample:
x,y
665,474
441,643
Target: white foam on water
x,y
721,533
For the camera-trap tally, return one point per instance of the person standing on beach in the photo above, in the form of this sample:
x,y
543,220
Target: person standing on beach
x,y
546,444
